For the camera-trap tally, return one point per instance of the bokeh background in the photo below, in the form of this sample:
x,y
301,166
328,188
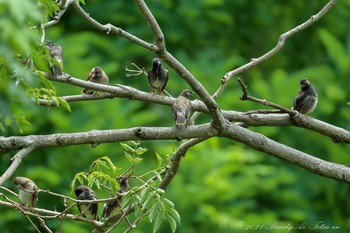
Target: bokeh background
x,y
222,186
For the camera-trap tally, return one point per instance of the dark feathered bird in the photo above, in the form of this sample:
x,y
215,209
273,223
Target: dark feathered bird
x,y
157,77
96,75
306,100
28,191
182,108
56,53
110,206
83,192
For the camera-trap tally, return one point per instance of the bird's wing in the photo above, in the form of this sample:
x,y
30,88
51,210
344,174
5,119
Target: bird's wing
x,y
166,79
299,99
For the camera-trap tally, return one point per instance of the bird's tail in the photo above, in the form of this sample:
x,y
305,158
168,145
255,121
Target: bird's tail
x,y
56,70
180,118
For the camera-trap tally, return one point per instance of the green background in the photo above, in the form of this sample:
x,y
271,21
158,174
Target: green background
x,y
221,186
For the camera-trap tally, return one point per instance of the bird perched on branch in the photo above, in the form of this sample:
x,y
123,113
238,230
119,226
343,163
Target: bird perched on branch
x,y
28,191
84,192
157,77
182,108
96,75
306,100
56,53
110,206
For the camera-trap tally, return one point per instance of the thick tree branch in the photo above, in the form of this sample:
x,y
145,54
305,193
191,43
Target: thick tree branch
x,y
95,137
261,143
337,134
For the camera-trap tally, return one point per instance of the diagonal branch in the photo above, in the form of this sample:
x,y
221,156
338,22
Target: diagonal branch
x,y
279,46
175,160
159,39
16,161
262,143
214,109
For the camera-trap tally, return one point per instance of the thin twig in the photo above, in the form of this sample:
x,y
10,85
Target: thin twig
x,y
176,158
111,29
137,221
245,96
35,227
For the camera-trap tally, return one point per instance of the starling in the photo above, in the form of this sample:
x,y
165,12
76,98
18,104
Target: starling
x,y
56,53
96,75
306,100
83,192
182,108
157,77
110,206
28,191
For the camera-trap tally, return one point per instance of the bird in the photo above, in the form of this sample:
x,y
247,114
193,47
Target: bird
x,y
110,206
84,192
56,53
96,75
182,108
28,191
306,100
157,77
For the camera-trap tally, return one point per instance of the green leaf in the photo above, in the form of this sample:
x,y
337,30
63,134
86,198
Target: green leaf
x,y
159,159
147,202
137,159
141,150
22,120
152,213
129,157
143,194
172,223
133,143
159,220
158,175
2,127
8,120
175,214
64,104
127,147
167,202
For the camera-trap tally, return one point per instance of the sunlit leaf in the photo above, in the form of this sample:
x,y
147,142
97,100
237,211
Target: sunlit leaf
x,y
127,147
129,157
141,150
159,159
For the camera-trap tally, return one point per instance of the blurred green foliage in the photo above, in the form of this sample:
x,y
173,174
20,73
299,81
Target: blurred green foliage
x,y
222,186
